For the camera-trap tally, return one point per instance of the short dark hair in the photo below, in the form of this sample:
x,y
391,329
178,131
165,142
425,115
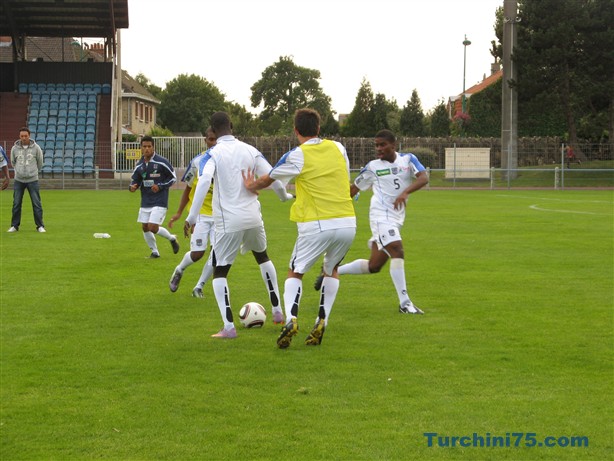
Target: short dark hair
x,y
24,128
220,121
307,122
387,135
148,138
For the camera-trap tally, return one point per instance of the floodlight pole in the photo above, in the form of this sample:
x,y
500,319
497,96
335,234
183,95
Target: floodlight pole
x,y
466,43
509,100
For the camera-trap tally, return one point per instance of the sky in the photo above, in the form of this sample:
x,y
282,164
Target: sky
x,y
396,45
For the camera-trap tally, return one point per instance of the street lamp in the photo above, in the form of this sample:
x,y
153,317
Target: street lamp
x,y
465,44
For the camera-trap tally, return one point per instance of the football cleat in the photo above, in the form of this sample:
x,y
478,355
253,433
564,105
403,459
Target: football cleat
x,y
175,244
175,279
278,318
13,229
410,308
319,279
197,292
315,337
287,332
154,255
40,229
226,334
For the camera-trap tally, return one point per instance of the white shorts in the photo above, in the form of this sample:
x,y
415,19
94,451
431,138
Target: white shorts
x,y
153,215
384,233
227,245
204,232
333,244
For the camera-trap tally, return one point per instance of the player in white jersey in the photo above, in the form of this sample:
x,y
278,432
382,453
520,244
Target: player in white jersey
x,y
203,230
236,215
392,176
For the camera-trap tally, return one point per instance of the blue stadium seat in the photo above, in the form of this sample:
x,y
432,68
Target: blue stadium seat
x,y
90,136
41,87
88,153
51,128
23,87
69,145
89,145
90,129
90,121
97,88
70,86
80,137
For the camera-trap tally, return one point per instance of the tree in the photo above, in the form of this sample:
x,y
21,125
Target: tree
x,y
286,87
385,113
155,90
439,121
187,103
361,121
565,48
412,117
243,122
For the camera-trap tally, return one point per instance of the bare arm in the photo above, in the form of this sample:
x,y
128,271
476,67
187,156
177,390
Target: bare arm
x,y
6,181
183,202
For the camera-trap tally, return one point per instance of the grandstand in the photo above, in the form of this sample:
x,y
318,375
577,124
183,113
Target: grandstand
x,y
70,100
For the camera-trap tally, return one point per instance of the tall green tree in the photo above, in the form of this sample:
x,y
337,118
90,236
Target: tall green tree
x,y
244,123
385,113
412,117
154,89
439,121
360,121
188,101
565,48
286,87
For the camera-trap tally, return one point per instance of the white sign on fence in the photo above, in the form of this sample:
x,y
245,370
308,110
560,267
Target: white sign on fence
x,y
467,162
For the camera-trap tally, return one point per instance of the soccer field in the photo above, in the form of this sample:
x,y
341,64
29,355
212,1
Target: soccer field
x,y
99,360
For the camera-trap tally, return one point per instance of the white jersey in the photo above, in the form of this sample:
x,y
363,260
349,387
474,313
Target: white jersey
x,y
388,180
234,207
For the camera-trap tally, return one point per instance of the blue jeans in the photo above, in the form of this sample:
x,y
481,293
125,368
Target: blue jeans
x,y
19,189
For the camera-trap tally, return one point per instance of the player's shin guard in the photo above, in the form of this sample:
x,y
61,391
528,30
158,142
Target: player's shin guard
x,y
163,232
222,296
269,275
150,239
397,273
293,289
328,294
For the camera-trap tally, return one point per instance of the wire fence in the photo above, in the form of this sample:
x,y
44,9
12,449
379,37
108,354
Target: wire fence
x,y
452,162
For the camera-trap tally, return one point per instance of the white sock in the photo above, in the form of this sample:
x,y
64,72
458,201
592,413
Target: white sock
x,y
186,261
222,296
269,275
162,232
397,273
293,289
328,293
206,273
150,239
356,267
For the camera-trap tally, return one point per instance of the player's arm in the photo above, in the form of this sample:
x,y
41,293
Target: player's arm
x,y
6,180
183,202
353,190
422,179
254,185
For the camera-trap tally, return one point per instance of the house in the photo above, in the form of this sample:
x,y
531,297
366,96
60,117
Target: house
x,y
455,103
139,107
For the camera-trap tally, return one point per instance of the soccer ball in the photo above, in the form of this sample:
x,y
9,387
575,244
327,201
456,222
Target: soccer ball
x,y
252,315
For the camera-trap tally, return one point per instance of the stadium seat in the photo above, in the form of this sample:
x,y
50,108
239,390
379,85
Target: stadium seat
x,y
106,88
41,87
90,129
88,154
90,121
69,86
89,145
80,137
90,136
51,128
70,136
23,87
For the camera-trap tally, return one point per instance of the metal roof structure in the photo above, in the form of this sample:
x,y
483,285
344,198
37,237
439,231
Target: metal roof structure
x,y
62,18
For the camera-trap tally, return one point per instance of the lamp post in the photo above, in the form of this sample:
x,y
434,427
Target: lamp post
x,y
465,44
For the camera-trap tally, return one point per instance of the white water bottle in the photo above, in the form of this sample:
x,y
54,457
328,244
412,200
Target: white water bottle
x,y
100,235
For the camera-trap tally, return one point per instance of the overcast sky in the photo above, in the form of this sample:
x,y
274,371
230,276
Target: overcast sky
x,y
397,45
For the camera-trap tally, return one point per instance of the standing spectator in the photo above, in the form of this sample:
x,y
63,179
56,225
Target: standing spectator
x,y
324,214
27,160
570,156
236,215
4,165
154,175
203,230
392,176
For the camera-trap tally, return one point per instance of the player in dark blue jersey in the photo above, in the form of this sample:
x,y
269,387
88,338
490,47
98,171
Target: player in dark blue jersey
x,y
154,175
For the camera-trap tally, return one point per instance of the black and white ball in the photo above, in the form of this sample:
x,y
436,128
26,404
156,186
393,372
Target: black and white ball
x,y
252,315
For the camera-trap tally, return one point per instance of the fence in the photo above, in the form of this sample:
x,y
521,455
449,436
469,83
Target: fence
x,y
541,161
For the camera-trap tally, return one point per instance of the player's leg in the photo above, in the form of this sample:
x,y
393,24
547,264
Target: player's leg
x,y
37,206
150,237
339,242
255,241
198,245
397,274
227,247
158,214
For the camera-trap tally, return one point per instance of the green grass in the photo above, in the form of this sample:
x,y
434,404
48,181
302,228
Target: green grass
x,y
100,361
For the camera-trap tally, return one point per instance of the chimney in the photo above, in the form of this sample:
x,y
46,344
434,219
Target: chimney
x,y
495,67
